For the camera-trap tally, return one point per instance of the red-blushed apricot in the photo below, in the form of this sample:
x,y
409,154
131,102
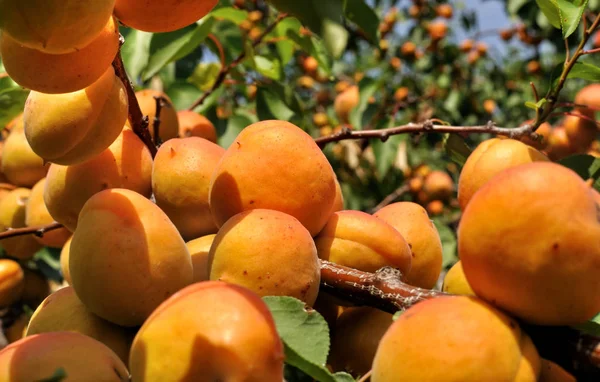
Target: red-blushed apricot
x,y
62,311
552,372
73,127
559,146
12,215
345,102
140,261
54,27
11,282
580,131
35,287
209,331
455,281
361,241
256,174
181,183
356,337
199,249
251,248
192,124
545,276
438,185
413,223
36,214
82,358
16,330
490,158
64,261
126,163
60,73
162,15
455,338
169,124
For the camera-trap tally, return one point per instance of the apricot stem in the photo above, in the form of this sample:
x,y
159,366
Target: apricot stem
x,y
38,231
160,102
398,192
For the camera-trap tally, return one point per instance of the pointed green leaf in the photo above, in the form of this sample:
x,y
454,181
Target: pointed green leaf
x,y
587,166
270,105
136,53
268,67
457,148
550,10
570,15
585,71
364,17
231,14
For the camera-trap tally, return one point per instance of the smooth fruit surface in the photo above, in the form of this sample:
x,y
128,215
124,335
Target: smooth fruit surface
x,y
64,261
345,102
11,282
456,282
199,249
20,164
36,214
12,215
192,124
169,124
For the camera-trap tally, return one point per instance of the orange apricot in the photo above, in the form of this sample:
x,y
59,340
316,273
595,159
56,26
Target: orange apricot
x,y
438,185
199,249
310,65
345,102
12,215
338,203
444,10
64,261
192,124
169,123
437,30
320,119
581,132
456,282
489,105
466,45
11,282
36,214
559,145
401,93
589,95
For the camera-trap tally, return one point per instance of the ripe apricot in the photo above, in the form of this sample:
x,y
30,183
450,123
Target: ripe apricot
x,y
490,158
11,282
181,183
251,247
199,249
253,174
73,127
62,311
64,261
36,214
559,146
507,34
20,165
466,45
36,287
580,131
345,102
17,329
209,331
546,276
396,63
306,82
358,240
169,123
55,28
444,10
401,93
310,65
320,119
473,342
82,358
338,203
126,163
552,372
341,86
489,105
413,223
589,95
60,73
437,30
408,49
473,57
161,15
456,282
481,48
438,185
12,215
534,67
192,124
140,261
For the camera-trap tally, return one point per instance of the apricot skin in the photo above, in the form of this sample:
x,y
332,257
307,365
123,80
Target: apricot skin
x,y
192,124
251,247
199,249
253,174
580,131
64,261
209,331
169,124
529,255
12,215
60,73
36,214
181,183
413,223
345,102
11,282
456,282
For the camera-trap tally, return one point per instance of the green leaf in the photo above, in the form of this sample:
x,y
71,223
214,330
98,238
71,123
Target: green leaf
x,y
586,166
570,15
268,67
235,124
270,105
451,105
449,246
231,14
59,375
285,48
364,17
385,152
457,148
314,47
183,94
136,53
585,71
48,262
12,100
550,10
591,327
204,75
367,87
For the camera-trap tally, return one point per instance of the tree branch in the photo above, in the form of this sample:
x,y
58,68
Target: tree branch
x,y
38,231
398,192
160,101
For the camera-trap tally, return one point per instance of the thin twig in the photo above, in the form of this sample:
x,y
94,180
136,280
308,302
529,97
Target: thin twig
x,y
590,51
38,231
535,92
398,192
160,102
7,186
219,48
366,376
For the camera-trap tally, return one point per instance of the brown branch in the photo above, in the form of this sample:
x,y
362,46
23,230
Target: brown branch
x,y
225,69
219,48
38,231
398,192
160,102
7,186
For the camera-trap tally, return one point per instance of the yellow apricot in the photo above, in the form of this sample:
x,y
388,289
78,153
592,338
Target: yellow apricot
x,y
199,249
126,163
267,164
455,281
181,183
140,261
36,214
438,185
73,127
358,240
62,311
36,287
82,358
64,261
20,164
12,215
209,331
169,124
490,158
552,372
345,102
16,330
11,282
473,342
413,223
581,132
252,247
529,255
60,73
192,124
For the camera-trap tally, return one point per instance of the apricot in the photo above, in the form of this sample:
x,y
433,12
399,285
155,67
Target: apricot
x,y
338,202
341,86
456,282
396,63
16,330
126,163
489,105
533,67
466,45
192,124
199,249
490,158
60,73
545,276
256,174
581,132
552,372
358,240
161,15
345,102
20,164
209,331
140,261
444,10
36,214
64,261
320,119
357,335
310,65
82,358
413,223
455,338
437,30
559,145
250,249
589,96
435,207
169,123
11,282
12,215
35,287
62,311
181,183
401,93
408,49
438,185
73,127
